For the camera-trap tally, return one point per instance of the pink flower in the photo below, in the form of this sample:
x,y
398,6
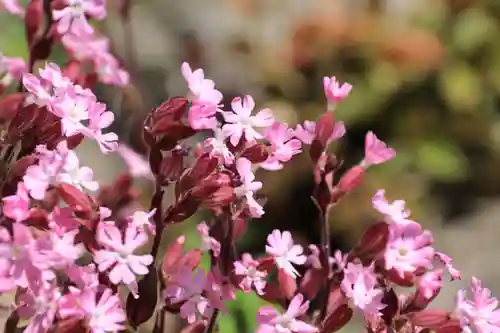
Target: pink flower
x,y
307,132
408,248
118,254
206,98
248,186
480,312
242,123
334,92
41,90
72,108
187,286
376,151
13,7
313,258
102,313
39,303
285,252
283,146
17,206
430,283
100,119
247,268
81,178
72,19
61,220
447,262
271,321
142,221
208,243
11,69
218,147
360,286
394,212
137,165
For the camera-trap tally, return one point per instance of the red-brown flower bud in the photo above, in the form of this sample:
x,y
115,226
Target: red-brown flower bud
x,y
172,165
257,153
324,127
287,284
10,106
430,318
337,319
75,198
140,309
373,242
312,281
352,179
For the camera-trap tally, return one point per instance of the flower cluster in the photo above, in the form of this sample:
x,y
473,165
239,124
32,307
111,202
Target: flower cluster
x,y
71,249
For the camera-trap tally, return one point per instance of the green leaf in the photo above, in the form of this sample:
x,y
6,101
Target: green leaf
x,y
442,161
473,29
461,87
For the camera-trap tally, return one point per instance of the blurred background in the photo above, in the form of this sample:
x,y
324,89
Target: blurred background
x,y
426,76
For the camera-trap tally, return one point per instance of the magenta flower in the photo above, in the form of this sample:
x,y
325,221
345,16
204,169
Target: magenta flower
x,y
285,252
271,321
100,119
283,146
394,212
248,186
61,220
242,123
39,304
360,286
335,92
72,108
247,269
307,132
11,69
187,286
208,243
376,151
480,312
447,262
102,312
408,248
17,206
118,254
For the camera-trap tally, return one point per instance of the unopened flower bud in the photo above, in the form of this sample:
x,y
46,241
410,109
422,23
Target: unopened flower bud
x,y
352,179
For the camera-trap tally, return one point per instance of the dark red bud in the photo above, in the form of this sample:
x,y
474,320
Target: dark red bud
x,y
430,318
69,325
272,294
337,319
407,280
203,167
75,198
140,309
324,127
373,242
74,141
287,284
391,308
257,153
22,122
34,20
312,281
240,227
172,166
172,255
336,298
182,210
10,106
220,198
352,179
266,263
452,326
18,169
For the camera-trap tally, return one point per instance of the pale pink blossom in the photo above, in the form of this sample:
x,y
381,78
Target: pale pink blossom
x,y
101,312
376,151
408,248
80,177
307,131
11,69
240,122
41,90
248,269
208,243
283,146
137,165
335,92
248,186
61,220
142,221
313,259
72,108
448,263
187,286
100,119
430,283
17,206
360,286
14,7
271,321
285,252
394,212
479,314
118,256
217,147
39,304
72,19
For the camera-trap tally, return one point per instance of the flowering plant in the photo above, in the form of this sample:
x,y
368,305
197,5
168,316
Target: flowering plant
x,y
71,249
